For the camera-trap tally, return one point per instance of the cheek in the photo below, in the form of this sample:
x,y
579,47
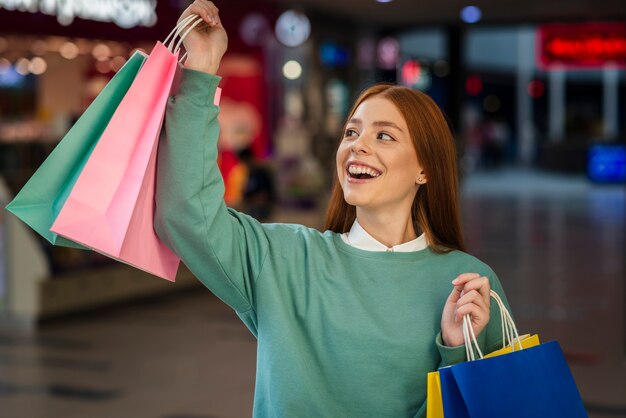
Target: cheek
x,y
405,169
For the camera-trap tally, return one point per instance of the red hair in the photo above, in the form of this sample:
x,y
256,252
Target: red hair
x,y
435,209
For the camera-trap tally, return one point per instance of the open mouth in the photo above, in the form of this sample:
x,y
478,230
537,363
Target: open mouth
x,y
361,172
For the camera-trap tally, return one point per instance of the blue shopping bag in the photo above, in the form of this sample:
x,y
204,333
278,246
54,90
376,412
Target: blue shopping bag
x,y
533,382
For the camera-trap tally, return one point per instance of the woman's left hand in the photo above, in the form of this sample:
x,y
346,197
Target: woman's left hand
x,y
471,295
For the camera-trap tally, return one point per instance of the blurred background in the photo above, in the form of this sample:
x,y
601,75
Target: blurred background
x,y
535,92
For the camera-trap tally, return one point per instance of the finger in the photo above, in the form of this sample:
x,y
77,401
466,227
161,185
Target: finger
x,y
455,295
480,284
213,5
211,10
194,9
473,296
477,301
464,278
219,22
202,10
477,314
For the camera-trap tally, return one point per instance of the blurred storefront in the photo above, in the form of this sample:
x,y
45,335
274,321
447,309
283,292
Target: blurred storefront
x,y
543,96
288,80
534,95
55,57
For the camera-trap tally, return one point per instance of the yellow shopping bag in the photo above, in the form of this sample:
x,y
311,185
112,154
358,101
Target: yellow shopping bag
x,y
526,340
434,403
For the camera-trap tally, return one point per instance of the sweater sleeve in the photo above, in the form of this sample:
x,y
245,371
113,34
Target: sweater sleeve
x,y
223,248
489,340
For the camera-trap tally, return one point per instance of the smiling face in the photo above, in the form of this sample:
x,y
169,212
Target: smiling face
x,y
377,164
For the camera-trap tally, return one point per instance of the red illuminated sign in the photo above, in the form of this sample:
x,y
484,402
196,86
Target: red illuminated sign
x,y
582,45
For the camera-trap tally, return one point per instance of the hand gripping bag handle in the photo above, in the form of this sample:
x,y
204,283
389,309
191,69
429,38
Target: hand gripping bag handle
x,y
510,336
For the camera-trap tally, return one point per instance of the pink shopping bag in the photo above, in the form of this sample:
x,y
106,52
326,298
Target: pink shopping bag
x,y
111,207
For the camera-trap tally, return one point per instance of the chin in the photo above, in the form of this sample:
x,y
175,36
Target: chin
x,y
352,200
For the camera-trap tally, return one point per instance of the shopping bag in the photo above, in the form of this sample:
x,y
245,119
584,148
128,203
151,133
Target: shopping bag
x,y
527,382
434,401
111,207
510,341
527,341
40,200
534,382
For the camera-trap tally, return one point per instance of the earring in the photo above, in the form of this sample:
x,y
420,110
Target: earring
x,y
421,180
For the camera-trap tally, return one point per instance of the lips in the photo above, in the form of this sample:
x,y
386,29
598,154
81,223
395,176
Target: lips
x,y
358,172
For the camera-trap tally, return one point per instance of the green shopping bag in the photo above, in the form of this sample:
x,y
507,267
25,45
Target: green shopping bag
x,y
42,197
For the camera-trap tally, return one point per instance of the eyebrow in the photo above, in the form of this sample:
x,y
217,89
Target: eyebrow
x,y
358,121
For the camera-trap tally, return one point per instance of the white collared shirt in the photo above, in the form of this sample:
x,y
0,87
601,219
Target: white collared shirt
x,y
359,238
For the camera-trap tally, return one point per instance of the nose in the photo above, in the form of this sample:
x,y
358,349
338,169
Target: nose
x,y
360,146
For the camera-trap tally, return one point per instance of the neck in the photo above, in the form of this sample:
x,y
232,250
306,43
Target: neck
x,y
388,228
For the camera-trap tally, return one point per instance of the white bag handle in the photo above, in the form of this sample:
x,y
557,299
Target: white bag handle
x,y
510,335
184,35
177,33
177,29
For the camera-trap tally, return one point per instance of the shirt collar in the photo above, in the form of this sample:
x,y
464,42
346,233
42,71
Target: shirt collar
x,y
359,238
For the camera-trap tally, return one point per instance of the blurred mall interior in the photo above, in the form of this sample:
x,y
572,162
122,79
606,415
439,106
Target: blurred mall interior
x,y
535,92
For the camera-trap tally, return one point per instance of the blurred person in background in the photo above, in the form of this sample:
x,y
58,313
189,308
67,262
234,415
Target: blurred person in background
x,y
348,321
258,187
495,138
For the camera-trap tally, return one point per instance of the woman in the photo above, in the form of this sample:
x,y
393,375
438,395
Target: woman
x,y
348,321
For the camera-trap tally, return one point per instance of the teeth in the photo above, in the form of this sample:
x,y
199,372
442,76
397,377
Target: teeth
x,y
359,169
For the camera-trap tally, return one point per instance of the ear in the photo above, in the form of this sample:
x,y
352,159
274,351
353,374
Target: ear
x,y
421,178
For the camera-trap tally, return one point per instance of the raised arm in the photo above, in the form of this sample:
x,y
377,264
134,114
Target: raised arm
x,y
223,248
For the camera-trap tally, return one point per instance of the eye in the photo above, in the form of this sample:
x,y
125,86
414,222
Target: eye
x,y
385,136
349,132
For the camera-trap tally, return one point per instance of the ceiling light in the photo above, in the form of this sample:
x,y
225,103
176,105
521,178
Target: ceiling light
x,y
471,14
292,70
293,28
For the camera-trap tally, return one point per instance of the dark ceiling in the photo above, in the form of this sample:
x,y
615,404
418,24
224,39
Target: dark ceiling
x,y
408,12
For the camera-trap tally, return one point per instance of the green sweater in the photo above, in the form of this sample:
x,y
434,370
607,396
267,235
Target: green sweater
x,y
342,332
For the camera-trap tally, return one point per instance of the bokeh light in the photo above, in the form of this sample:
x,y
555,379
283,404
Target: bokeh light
x,y
68,50
473,85
536,89
22,66
388,53
441,68
103,67
492,103
471,14
292,70
38,66
101,52
117,63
